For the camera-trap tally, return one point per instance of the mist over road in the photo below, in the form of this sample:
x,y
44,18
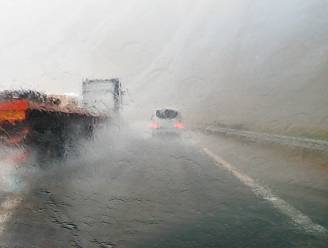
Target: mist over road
x,y
132,190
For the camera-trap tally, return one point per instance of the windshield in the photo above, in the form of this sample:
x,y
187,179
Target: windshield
x,y
164,123
166,114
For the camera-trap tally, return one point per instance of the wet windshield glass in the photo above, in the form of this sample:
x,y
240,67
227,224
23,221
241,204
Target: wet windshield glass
x,y
164,123
166,114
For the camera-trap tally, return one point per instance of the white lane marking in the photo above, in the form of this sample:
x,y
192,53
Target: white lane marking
x,y
294,214
6,210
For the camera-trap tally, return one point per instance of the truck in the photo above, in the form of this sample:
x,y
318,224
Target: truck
x,y
102,95
51,125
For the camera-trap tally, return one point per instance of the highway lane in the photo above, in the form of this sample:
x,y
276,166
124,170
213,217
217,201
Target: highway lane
x,y
131,190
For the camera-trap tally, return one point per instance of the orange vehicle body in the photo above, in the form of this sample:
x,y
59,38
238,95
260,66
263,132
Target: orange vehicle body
x,y
43,126
13,111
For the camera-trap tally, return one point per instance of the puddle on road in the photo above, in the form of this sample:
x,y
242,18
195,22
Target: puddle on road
x,y
13,184
10,187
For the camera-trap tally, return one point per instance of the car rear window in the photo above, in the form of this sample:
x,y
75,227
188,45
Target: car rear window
x,y
166,114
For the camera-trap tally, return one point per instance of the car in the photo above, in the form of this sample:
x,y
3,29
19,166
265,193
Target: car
x,y
166,121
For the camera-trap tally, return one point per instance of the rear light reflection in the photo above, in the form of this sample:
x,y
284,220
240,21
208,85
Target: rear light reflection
x,y
154,125
179,125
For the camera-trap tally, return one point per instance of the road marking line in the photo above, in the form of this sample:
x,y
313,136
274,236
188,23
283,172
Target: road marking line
x,y
294,214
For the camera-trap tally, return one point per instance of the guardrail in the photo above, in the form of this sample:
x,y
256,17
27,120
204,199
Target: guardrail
x,y
312,144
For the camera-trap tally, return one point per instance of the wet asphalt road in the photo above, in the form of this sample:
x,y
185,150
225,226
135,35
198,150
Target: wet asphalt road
x,y
138,191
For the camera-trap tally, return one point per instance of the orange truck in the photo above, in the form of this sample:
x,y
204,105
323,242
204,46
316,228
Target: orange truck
x,y
40,122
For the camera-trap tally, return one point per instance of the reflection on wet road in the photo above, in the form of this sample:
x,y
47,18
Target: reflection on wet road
x,y
138,191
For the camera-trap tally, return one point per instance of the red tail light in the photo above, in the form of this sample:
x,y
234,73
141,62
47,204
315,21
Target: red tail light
x,y
18,137
179,125
154,125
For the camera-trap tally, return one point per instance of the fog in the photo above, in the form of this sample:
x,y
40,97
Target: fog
x,y
260,65
138,177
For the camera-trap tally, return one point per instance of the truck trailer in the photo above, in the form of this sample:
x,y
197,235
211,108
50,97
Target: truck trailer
x,y
39,122
53,124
